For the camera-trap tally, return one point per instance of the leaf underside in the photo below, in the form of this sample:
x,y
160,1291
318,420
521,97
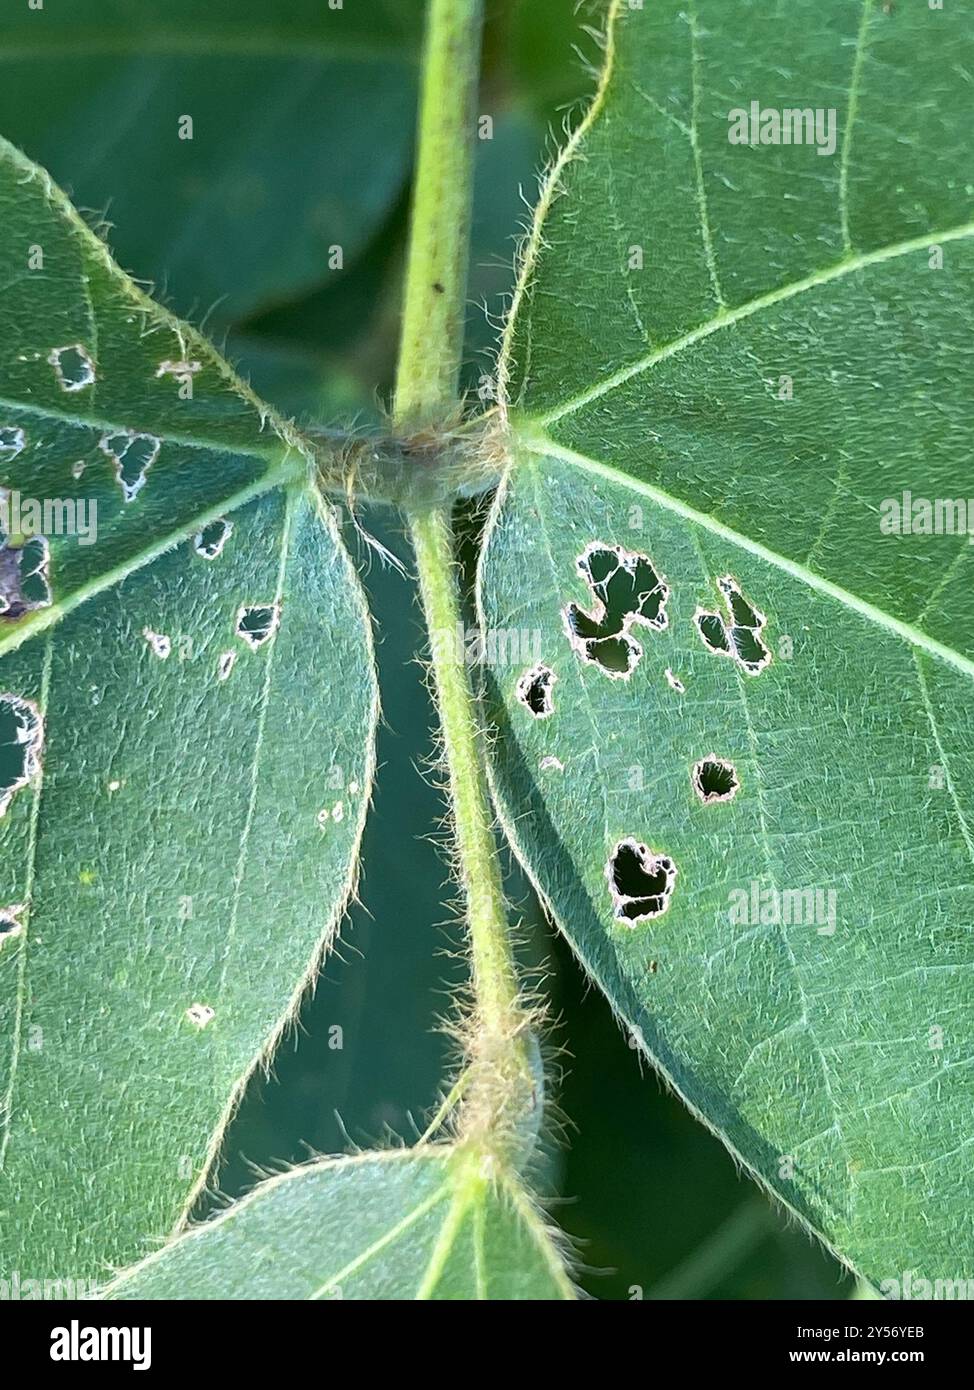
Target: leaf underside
x,y
792,351
180,845
410,1224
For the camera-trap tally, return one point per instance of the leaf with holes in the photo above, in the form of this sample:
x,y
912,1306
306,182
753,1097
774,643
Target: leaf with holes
x,y
227,142
424,1223
737,381
186,686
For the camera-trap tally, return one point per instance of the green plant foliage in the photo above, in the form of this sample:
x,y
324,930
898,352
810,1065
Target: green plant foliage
x,y
703,660
725,357
187,707
421,1223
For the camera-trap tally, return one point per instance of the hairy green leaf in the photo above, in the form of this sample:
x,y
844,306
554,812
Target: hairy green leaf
x,y
740,773
418,1223
282,162
187,707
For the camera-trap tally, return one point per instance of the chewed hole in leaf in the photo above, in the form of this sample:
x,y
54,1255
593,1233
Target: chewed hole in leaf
x,y
159,644
738,635
73,367
711,629
257,622
534,690
200,1015
12,440
674,682
21,741
10,924
618,656
210,541
132,455
715,779
24,577
35,558
225,665
626,589
641,882
742,614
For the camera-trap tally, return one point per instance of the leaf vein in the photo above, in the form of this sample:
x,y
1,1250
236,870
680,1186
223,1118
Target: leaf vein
x,y
265,699
849,265
541,445
851,113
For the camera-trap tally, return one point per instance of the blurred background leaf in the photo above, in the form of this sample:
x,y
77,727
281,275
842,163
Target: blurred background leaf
x,y
303,135
302,132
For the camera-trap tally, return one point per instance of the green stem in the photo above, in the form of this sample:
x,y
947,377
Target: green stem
x,y
499,1087
436,270
494,979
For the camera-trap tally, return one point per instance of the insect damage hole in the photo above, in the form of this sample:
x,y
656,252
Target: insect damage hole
x,y
24,575
641,882
159,644
715,779
210,541
257,623
225,665
21,741
10,924
200,1015
132,455
627,589
534,690
12,441
73,367
739,634
674,682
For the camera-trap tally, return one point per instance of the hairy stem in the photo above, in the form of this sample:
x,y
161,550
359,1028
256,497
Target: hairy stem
x,y
436,270
478,861
499,1086
498,1041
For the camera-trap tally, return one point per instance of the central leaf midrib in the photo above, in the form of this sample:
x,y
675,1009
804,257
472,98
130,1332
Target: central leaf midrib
x,y
540,445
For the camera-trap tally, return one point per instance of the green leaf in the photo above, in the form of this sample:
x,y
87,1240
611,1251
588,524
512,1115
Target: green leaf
x,y
187,708
756,692
417,1223
285,161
